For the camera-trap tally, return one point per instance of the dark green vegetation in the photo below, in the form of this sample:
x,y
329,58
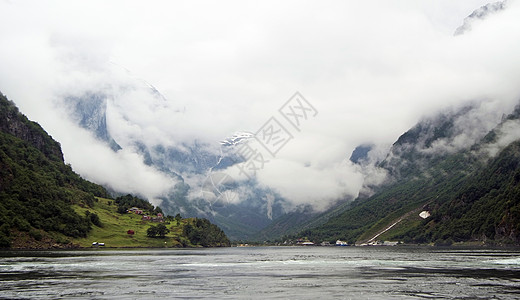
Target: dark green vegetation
x,y
43,203
36,188
472,197
293,223
202,232
157,231
130,229
126,202
485,207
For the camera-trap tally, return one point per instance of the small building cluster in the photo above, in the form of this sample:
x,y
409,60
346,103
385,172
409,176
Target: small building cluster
x,y
158,219
380,243
136,210
304,242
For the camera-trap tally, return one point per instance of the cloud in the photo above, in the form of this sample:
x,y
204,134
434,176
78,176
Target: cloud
x,y
471,123
122,171
371,69
507,132
480,14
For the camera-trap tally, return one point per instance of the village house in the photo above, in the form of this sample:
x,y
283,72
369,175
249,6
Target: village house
x,y
158,219
135,210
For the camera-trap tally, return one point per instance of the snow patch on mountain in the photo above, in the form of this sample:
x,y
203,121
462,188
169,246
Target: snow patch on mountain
x,y
237,138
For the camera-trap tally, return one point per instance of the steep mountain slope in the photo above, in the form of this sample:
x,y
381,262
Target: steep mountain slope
x,y
91,115
487,204
44,204
485,208
471,193
36,187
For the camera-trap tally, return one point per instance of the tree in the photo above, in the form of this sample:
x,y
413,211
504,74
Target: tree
x,y
162,230
202,232
94,218
178,218
151,232
159,230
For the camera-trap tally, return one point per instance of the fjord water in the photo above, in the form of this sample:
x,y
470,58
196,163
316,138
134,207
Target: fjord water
x,y
262,272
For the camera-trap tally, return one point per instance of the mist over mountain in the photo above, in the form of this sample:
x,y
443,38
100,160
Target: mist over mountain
x,y
191,168
37,189
360,154
479,15
221,85
89,111
470,188
451,131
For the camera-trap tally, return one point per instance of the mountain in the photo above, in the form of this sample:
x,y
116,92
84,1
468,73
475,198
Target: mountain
x,y
480,14
360,154
424,168
91,115
298,221
36,188
44,204
470,190
239,207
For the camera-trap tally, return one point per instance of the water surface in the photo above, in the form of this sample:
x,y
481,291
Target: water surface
x,y
262,272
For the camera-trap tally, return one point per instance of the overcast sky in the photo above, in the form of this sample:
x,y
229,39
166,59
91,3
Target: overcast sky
x,y
371,69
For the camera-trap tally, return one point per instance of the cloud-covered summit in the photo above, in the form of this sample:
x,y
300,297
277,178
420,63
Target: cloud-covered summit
x,y
480,14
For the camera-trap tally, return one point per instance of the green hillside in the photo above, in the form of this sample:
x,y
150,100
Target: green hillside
x,y
472,198
485,208
130,230
37,190
44,204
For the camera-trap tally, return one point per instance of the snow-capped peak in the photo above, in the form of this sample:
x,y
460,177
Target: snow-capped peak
x,y
237,138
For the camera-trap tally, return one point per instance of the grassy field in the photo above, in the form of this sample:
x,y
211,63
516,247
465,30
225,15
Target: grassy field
x,y
115,226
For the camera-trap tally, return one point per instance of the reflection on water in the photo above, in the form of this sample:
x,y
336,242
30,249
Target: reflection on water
x,y
264,272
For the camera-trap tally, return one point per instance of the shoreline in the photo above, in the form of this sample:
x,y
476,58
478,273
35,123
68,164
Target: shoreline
x,y
402,246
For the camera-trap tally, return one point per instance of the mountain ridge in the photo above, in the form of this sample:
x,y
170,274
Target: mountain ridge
x,y
439,182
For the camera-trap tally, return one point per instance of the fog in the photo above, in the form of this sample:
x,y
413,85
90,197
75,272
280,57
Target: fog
x,y
370,69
